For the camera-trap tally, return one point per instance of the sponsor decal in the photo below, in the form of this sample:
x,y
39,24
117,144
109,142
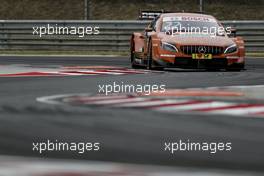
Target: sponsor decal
x,y
189,18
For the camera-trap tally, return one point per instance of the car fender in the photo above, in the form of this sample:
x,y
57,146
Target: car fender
x,y
241,46
137,41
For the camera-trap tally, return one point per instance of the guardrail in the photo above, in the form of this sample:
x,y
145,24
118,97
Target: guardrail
x,y
114,35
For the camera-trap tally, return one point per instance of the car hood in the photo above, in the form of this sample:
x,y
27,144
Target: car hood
x,y
193,39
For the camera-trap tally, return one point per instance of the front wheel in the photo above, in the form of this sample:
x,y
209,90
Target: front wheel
x,y
150,61
149,56
236,67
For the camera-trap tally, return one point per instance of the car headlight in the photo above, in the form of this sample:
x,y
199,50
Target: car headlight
x,y
231,49
168,47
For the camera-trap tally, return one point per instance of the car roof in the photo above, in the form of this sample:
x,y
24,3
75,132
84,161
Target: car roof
x,y
186,14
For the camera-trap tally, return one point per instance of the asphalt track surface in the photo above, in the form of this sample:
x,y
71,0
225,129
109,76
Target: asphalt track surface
x,y
126,135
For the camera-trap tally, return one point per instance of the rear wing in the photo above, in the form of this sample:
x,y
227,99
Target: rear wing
x,y
150,14
153,14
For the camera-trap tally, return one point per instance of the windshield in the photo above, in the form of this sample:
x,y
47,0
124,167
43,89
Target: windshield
x,y
176,26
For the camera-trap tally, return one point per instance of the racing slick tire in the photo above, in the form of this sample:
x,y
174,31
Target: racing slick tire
x,y
149,56
132,59
236,67
150,61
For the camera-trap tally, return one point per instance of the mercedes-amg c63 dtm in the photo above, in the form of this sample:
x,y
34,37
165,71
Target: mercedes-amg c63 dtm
x,y
186,40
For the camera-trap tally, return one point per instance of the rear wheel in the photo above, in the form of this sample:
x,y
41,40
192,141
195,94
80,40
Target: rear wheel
x,y
132,58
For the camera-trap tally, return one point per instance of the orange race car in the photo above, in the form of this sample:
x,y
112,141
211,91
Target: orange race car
x,y
186,40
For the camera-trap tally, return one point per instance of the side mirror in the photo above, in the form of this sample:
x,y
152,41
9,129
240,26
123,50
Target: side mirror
x,y
148,29
232,33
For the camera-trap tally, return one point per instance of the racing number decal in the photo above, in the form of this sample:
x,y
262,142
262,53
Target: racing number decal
x,y
202,56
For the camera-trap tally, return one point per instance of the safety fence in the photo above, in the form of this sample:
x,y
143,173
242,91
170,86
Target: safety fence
x,y
113,36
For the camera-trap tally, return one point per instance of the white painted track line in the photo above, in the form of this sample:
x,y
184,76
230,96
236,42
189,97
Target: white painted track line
x,y
193,106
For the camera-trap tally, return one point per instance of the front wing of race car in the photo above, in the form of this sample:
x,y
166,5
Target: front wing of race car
x,y
189,57
168,55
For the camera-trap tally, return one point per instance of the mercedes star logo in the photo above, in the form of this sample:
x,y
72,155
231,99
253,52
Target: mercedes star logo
x,y
202,49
